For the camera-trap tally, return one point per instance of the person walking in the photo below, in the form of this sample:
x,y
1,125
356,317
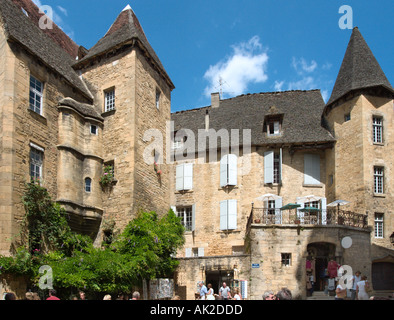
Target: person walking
x,y
203,290
210,295
362,287
356,279
225,292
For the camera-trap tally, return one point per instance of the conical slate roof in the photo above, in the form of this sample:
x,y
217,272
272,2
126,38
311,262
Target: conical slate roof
x,y
125,28
359,69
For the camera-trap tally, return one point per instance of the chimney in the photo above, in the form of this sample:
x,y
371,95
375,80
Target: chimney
x,y
215,100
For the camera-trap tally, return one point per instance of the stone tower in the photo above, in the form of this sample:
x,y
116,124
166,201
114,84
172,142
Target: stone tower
x,y
359,114
133,95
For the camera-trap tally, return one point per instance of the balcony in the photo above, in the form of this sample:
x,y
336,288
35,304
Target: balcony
x,y
316,217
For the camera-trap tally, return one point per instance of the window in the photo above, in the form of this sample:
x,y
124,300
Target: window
x,y
184,176
178,140
109,100
286,259
379,225
93,129
228,215
36,161
88,185
228,170
347,117
36,95
377,126
187,215
157,98
273,125
272,211
378,180
273,167
313,204
311,169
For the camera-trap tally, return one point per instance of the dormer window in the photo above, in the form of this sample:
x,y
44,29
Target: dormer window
x,y
273,125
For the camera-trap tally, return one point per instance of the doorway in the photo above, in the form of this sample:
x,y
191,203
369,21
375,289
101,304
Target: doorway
x,y
217,277
320,253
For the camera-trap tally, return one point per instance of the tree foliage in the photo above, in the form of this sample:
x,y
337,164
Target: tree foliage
x,y
144,250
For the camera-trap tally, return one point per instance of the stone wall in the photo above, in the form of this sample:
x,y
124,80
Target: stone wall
x,y
269,242
20,127
207,194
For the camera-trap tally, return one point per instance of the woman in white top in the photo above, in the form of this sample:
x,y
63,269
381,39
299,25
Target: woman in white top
x,y
210,295
237,296
362,287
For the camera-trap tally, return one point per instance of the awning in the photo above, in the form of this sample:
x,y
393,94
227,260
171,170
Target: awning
x,y
310,209
290,206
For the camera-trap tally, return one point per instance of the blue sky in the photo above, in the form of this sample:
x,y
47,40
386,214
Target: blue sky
x,y
251,45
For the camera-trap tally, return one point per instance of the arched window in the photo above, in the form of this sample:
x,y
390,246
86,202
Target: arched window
x,y
88,184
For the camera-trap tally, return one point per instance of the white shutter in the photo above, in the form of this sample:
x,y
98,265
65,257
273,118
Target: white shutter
x,y
232,169
223,215
276,127
269,167
223,171
188,252
188,176
300,214
232,214
278,212
280,165
179,177
193,217
174,209
324,210
201,251
311,169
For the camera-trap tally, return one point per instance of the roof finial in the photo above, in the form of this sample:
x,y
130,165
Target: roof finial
x,y
127,8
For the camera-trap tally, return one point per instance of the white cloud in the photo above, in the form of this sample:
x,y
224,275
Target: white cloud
x,y
246,65
278,85
301,66
63,10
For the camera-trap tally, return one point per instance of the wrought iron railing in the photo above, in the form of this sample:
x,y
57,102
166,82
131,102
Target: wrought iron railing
x,y
315,217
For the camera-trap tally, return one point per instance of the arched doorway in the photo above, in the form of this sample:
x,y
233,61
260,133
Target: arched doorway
x,y
319,253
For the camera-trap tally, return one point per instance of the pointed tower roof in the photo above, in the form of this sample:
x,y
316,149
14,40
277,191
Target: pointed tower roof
x,y
359,69
125,30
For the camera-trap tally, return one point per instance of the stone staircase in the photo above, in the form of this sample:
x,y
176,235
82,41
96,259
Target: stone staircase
x,y
320,295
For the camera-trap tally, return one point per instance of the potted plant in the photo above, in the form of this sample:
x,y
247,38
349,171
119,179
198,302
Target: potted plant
x,y
107,177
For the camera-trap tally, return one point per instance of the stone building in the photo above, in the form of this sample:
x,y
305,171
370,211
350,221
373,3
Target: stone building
x,y
252,177
67,112
259,206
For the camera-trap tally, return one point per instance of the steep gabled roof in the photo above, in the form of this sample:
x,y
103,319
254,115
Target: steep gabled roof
x,y
359,69
300,112
125,29
21,29
57,35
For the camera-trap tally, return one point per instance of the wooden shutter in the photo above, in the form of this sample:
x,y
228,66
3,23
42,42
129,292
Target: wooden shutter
x,y
188,252
324,210
232,169
232,214
193,217
311,169
278,212
223,215
188,176
269,167
280,165
224,171
300,214
179,177
201,251
174,209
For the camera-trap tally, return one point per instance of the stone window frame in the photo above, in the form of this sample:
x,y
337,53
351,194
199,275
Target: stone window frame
x,y
88,187
186,215
378,180
286,259
36,162
379,225
95,131
377,129
109,99
36,95
158,96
